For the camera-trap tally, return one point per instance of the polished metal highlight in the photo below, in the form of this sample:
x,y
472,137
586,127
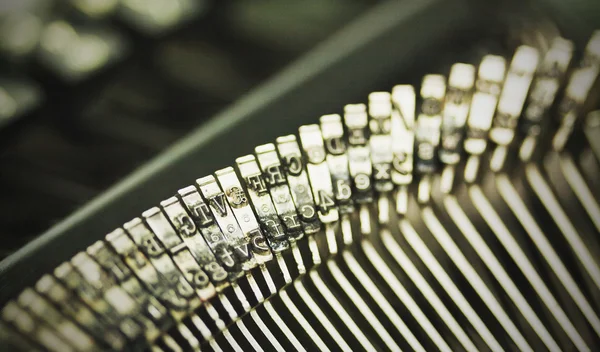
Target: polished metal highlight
x,y
427,131
274,176
180,253
429,123
359,154
337,159
514,92
210,276
380,142
320,180
490,78
240,205
461,83
237,240
262,203
207,225
151,246
297,178
139,263
318,172
545,87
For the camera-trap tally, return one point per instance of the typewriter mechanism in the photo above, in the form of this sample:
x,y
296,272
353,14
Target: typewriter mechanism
x,y
461,212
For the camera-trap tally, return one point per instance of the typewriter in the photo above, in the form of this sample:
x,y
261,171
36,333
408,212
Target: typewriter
x,y
424,179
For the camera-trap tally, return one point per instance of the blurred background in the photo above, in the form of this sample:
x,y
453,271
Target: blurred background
x,y
91,89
